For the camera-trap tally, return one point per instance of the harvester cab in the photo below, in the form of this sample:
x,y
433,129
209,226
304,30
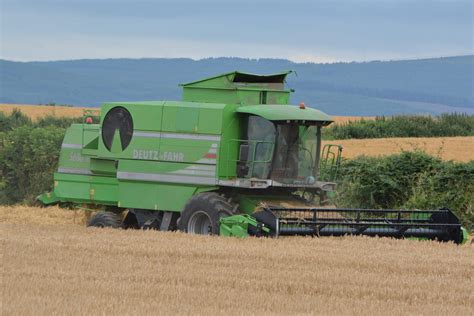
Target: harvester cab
x,y
232,158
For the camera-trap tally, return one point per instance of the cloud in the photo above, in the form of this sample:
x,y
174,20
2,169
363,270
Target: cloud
x,y
311,31
310,58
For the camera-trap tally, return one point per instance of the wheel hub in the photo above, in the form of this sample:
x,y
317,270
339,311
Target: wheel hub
x,y
200,223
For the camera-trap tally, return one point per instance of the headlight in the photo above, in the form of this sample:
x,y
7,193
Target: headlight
x,y
329,187
310,180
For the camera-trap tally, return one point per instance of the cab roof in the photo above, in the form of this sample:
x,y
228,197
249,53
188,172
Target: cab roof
x,y
277,112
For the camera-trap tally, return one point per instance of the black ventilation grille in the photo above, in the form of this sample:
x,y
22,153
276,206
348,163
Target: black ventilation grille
x,y
118,118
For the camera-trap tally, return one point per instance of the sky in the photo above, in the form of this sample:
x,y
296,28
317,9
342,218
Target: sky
x,y
301,31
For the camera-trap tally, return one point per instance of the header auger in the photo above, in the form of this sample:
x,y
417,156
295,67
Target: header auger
x,y
232,158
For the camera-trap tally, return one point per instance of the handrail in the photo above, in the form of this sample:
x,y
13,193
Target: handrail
x,y
331,161
253,160
94,114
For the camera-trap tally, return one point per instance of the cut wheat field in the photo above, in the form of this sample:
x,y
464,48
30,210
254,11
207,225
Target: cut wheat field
x,y
447,148
57,266
37,111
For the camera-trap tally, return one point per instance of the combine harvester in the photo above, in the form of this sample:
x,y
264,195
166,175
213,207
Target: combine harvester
x,y
233,158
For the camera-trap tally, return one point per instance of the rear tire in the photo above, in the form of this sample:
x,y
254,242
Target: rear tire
x,y
130,220
202,213
105,219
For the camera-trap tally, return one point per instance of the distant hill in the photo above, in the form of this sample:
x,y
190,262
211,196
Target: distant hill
x,y
369,88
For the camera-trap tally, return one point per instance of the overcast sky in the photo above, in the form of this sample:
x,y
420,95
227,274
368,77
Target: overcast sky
x,y
314,31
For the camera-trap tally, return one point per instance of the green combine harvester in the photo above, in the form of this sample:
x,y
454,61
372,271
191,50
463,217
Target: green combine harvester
x,y
232,158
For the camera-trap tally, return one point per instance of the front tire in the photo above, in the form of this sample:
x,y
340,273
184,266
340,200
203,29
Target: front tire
x,y
202,213
105,219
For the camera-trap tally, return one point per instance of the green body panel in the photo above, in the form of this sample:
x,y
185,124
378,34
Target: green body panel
x,y
176,148
171,159
241,96
238,226
71,156
103,167
239,88
86,189
155,196
228,152
161,185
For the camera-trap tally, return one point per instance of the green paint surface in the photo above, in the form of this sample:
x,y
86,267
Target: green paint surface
x,y
274,112
178,148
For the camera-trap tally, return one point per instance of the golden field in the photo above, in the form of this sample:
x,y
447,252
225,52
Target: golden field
x,y
37,111
346,119
58,267
52,215
447,148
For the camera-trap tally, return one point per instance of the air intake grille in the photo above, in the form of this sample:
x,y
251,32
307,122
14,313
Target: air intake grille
x,y
118,118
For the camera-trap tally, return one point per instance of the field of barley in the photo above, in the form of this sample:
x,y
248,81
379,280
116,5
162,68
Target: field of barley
x,y
37,111
52,264
446,148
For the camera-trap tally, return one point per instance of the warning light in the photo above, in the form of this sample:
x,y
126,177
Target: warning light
x,y
302,106
88,120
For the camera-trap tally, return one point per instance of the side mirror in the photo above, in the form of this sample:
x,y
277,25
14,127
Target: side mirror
x,y
244,153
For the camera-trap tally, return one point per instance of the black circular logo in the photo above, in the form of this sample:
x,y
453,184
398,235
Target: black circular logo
x,y
117,127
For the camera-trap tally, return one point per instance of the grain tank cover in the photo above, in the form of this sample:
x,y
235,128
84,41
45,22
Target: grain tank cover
x,y
239,88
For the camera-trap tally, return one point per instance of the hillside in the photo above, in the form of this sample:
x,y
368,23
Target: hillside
x,y
53,266
369,88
